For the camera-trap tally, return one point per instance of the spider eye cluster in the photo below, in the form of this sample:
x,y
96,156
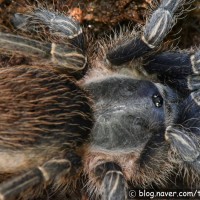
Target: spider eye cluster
x,y
157,100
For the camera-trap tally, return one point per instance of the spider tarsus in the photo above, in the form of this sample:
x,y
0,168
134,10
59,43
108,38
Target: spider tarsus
x,y
58,24
10,189
183,143
171,5
160,22
113,186
157,27
44,174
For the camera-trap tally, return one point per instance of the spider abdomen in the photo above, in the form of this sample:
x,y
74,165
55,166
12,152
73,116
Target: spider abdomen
x,y
42,113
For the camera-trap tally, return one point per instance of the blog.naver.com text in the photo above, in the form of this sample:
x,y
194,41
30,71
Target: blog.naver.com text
x,y
164,194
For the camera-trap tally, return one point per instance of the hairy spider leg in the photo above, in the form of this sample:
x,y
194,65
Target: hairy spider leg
x,y
44,174
64,57
113,182
57,23
155,30
67,56
184,138
181,70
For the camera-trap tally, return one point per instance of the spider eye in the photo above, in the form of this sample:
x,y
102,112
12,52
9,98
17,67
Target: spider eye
x,y
157,100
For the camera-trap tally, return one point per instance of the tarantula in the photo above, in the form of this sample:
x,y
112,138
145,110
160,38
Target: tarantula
x,y
100,117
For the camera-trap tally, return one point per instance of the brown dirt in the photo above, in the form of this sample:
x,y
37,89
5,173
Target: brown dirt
x,y
101,15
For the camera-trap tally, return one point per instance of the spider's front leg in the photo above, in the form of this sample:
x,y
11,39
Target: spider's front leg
x,y
183,135
42,175
157,27
58,25
181,70
63,47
